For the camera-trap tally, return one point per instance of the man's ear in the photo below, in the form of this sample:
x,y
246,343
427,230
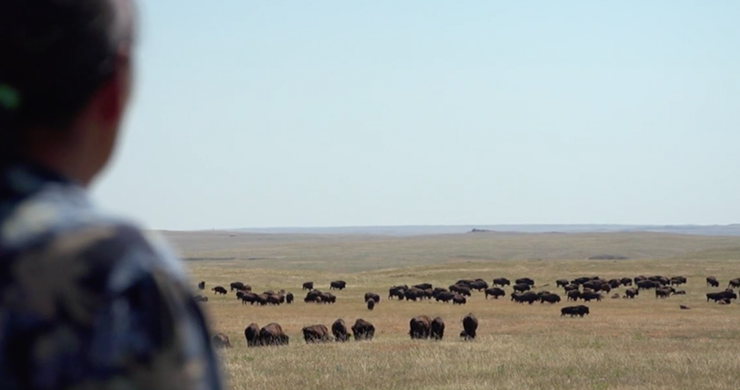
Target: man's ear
x,y
113,94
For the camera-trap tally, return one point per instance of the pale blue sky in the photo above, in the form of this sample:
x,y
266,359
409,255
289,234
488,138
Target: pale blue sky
x,y
336,113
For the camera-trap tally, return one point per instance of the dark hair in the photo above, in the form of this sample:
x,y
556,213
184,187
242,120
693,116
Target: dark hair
x,y
55,54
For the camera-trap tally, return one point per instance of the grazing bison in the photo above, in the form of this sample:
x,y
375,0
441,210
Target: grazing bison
x,y
678,280
562,282
458,300
591,296
202,285
722,295
237,286
338,285
573,311
339,330
219,290
445,296
220,340
372,296
549,298
712,281
316,333
524,281
470,326
289,298
371,304
522,287
423,286
501,282
397,291
662,292
313,296
460,289
252,334
328,298
272,334
363,330
438,329
734,283
307,286
573,295
420,327
495,292
478,285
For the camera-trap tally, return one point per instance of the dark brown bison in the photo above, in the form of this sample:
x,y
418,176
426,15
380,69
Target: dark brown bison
x,y
397,291
479,285
339,330
470,326
338,285
445,296
734,283
573,295
459,300
662,292
614,283
370,295
524,281
371,304
272,334
573,311
413,294
363,330
307,286
722,295
625,281
289,298
712,281
522,287
328,298
495,292
562,282
220,340
423,286
549,298
420,327
465,282
588,297
647,284
202,285
438,329
632,292
501,282
678,280
529,297
219,290
236,286
313,296
460,289
252,334
316,333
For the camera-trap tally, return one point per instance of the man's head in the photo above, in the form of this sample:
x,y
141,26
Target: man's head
x,y
65,79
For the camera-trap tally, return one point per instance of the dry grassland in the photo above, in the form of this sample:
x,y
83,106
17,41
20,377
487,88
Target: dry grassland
x,y
645,343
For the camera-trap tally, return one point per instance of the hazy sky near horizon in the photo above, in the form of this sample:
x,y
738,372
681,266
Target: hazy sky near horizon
x,y
347,113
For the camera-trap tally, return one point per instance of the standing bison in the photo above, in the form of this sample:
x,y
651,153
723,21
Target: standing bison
x,y
237,286
573,311
219,290
363,330
420,327
316,334
338,285
202,285
371,305
438,329
252,334
712,281
501,282
470,326
289,298
307,286
495,292
372,296
339,330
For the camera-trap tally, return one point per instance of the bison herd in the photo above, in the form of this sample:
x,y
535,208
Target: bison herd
x,y
586,289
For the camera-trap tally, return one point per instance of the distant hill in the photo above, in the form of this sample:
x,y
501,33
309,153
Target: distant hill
x,y
705,230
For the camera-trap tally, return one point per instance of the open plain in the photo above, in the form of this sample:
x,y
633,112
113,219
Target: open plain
x,y
641,343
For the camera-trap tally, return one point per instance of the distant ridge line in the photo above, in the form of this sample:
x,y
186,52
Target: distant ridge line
x,y
419,230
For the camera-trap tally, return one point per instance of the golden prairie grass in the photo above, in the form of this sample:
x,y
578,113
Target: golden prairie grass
x,y
645,343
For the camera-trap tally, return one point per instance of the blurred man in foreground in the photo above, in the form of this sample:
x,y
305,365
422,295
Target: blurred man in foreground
x,y
86,301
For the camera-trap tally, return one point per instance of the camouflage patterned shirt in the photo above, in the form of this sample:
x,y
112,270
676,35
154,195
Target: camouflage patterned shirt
x,y
88,301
